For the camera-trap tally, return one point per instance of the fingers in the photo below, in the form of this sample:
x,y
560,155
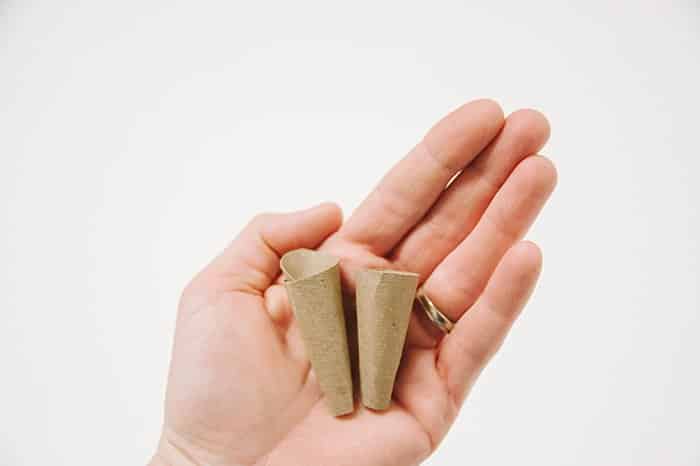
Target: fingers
x,y
251,262
480,332
458,210
407,192
460,278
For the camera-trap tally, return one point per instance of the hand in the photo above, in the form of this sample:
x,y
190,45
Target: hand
x,y
241,391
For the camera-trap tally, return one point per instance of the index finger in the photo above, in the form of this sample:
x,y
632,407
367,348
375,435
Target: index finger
x,y
411,187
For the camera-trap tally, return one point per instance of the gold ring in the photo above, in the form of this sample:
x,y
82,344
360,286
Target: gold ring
x,y
436,317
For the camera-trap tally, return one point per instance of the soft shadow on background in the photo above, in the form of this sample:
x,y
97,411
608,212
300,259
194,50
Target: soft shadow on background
x,y
137,137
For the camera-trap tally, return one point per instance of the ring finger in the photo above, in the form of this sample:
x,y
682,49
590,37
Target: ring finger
x,y
459,279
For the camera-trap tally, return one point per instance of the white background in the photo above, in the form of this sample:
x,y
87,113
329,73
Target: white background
x,y
137,137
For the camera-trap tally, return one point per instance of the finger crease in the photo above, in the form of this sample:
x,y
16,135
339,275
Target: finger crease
x,y
445,167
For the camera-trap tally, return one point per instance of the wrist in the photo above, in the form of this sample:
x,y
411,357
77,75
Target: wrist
x,y
157,461
172,451
169,454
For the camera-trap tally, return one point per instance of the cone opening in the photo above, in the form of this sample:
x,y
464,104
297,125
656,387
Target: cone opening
x,y
388,271
304,263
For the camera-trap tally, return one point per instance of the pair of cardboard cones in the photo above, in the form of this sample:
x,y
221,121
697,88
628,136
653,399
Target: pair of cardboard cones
x,y
384,299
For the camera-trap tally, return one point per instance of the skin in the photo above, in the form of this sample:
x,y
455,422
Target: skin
x,y
241,390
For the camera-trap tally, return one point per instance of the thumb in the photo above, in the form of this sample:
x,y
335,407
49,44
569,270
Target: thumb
x,y
251,262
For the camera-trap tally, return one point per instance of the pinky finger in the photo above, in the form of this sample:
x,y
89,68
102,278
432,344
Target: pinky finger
x,y
481,331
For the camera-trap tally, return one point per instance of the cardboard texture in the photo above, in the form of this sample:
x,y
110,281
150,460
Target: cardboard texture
x,y
313,286
384,300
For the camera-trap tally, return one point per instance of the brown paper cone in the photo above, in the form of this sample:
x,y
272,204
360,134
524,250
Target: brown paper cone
x,y
313,287
384,301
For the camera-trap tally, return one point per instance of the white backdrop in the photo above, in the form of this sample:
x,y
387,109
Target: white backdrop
x,y
137,137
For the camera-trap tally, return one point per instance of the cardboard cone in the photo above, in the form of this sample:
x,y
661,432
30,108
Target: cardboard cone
x,y
313,287
384,301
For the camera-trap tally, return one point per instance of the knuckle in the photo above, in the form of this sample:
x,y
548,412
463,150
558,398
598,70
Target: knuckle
x,y
195,293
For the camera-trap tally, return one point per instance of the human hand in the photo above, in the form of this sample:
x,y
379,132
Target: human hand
x,y
240,390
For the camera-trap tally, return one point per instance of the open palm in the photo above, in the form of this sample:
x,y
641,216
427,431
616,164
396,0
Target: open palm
x,y
241,390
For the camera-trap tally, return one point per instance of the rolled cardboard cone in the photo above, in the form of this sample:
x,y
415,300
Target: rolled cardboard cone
x,y
384,300
313,286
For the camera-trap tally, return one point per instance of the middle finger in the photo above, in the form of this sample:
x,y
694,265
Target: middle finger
x,y
458,210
